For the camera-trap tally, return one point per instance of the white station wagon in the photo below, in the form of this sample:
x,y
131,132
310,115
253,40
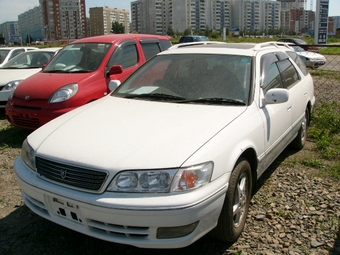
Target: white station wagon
x,y
174,152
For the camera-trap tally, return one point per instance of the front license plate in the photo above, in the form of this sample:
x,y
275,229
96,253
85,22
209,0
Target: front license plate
x,y
66,210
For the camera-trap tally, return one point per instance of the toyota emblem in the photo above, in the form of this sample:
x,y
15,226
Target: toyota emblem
x,y
63,174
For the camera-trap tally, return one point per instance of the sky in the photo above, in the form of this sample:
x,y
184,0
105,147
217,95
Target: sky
x,y
10,9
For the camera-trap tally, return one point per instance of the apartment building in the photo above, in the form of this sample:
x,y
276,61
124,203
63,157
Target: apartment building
x,y
10,31
64,19
257,16
101,19
31,25
157,16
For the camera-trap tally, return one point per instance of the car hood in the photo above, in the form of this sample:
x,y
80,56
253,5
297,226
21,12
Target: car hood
x,y
116,133
43,85
311,55
7,75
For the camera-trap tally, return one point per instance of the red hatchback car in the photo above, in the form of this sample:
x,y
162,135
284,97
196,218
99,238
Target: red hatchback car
x,y
80,73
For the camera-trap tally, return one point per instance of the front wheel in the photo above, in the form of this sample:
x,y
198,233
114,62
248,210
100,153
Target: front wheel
x,y
236,204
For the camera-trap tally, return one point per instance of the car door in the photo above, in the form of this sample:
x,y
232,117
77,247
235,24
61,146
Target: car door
x,y
277,117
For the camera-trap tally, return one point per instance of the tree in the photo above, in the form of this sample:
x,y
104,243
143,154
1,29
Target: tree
x,y
187,31
170,31
117,28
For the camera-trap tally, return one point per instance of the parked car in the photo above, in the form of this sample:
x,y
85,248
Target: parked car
x,y
175,151
311,59
193,38
7,53
78,75
19,68
293,40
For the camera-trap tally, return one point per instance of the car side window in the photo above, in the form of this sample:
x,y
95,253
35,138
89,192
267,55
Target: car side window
x,y
150,49
271,77
289,73
16,53
166,44
125,55
297,59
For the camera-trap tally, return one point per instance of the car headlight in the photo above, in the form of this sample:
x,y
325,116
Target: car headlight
x,y
27,155
64,93
11,85
163,180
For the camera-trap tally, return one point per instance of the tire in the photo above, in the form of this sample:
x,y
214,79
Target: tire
x,y
236,204
301,138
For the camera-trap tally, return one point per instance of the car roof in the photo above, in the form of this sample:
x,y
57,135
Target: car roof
x,y
111,38
14,48
244,49
53,49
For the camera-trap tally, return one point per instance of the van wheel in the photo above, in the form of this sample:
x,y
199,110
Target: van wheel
x,y
301,138
236,204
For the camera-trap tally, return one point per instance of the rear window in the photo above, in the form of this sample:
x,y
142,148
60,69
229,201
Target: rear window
x,y
300,63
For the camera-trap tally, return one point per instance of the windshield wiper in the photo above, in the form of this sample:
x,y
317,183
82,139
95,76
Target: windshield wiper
x,y
214,100
156,96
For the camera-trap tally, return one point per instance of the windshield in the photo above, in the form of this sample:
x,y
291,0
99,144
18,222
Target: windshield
x,y
189,78
29,60
3,54
76,58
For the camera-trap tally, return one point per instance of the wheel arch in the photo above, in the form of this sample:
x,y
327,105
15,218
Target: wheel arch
x,y
250,155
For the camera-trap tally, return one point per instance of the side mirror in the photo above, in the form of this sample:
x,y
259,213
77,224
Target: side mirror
x,y
276,96
113,84
116,69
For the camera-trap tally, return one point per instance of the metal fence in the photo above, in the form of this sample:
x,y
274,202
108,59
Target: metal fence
x,y
326,77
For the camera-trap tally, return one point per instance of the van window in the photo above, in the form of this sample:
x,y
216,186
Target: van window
x,y
290,75
150,49
126,56
270,72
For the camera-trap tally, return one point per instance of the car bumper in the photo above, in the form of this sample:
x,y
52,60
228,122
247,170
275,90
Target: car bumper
x,y
115,218
33,118
315,63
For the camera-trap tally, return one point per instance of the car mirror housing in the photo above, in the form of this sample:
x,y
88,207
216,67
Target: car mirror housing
x,y
276,96
116,69
114,84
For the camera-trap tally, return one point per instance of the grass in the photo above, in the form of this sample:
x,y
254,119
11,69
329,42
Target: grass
x,y
325,132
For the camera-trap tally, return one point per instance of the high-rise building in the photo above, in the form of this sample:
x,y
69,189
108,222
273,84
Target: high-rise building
x,y
31,25
10,31
64,19
101,19
157,16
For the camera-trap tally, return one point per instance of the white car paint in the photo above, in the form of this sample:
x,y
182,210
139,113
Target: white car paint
x,y
11,52
114,135
10,75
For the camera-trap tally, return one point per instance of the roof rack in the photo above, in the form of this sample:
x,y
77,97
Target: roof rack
x,y
260,46
180,45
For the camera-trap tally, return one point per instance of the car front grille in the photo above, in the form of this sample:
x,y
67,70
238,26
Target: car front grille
x,y
77,177
26,122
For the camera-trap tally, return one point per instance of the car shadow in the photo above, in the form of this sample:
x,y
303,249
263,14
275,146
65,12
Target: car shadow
x,y
22,230
11,136
271,169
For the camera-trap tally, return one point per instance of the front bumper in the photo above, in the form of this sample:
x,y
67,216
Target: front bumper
x,y
32,118
120,217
